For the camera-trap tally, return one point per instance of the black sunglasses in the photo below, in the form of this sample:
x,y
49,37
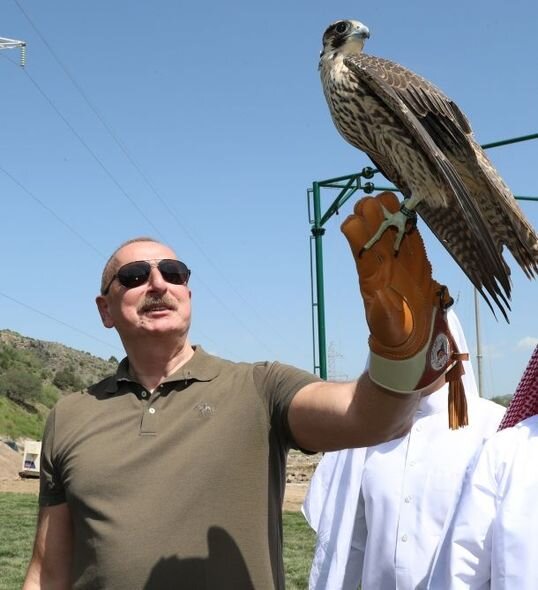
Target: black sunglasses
x,y
137,273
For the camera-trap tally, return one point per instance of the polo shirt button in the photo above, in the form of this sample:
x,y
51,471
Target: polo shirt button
x,y
404,538
151,410
144,394
407,499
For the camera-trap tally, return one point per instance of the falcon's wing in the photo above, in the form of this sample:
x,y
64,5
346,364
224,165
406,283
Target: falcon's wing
x,y
451,131
468,240
439,115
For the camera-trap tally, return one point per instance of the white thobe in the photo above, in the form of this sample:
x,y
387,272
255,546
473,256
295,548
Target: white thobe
x,y
379,512
492,540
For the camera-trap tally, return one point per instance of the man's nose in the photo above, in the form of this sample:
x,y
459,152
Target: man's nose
x,y
156,281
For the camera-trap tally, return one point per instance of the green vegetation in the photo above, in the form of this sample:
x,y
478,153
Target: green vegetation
x,y
67,380
25,392
299,542
16,422
19,385
33,376
17,527
49,395
503,400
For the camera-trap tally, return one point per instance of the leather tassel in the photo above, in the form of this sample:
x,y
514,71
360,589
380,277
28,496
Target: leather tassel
x,y
457,403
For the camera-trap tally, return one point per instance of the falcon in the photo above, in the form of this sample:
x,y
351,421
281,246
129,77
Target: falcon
x,y
422,142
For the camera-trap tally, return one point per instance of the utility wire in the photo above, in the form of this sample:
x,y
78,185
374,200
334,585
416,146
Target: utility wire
x,y
148,182
52,212
96,250
90,245
92,153
61,322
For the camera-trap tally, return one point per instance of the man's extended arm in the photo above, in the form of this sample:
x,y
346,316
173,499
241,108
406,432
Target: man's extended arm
x,y
50,566
331,416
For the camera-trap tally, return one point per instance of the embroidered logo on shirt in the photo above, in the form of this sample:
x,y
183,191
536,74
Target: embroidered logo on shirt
x,y
204,409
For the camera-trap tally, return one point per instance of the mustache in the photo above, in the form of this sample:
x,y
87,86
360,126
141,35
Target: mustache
x,y
150,303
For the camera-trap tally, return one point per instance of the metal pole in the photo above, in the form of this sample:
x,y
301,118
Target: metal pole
x,y
6,43
510,141
478,342
317,232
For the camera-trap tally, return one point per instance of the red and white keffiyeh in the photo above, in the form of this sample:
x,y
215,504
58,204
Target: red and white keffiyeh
x,y
524,404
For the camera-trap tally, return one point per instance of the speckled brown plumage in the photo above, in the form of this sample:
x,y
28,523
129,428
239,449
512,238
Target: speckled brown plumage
x,y
423,143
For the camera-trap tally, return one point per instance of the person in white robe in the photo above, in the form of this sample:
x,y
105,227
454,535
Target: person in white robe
x,y
492,540
379,512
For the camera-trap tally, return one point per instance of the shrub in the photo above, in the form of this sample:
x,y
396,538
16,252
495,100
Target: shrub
x,y
20,385
67,380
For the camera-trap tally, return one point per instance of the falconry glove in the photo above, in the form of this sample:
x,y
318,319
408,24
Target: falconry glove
x,y
411,346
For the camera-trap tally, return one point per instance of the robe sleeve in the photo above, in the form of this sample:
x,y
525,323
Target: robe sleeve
x,y
333,511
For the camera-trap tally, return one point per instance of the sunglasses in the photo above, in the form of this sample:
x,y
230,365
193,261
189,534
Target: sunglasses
x,y
137,273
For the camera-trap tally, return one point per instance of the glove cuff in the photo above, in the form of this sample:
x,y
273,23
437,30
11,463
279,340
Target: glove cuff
x,y
418,372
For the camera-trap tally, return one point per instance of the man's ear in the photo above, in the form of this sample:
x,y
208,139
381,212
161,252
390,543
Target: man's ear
x,y
104,311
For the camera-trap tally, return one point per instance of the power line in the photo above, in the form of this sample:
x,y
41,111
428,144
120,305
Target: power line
x,y
93,154
52,212
95,249
137,167
61,322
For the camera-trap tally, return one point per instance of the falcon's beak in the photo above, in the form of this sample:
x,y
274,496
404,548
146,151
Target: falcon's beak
x,y
361,31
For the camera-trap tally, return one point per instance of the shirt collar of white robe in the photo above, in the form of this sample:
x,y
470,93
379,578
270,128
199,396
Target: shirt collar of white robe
x,y
331,502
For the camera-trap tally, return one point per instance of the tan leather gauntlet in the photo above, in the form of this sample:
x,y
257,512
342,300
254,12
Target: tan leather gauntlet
x,y
410,343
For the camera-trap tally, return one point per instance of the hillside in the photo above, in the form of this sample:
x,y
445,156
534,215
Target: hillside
x,y
34,374
54,357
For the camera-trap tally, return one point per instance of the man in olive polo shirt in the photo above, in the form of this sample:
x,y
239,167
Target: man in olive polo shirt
x,y
171,473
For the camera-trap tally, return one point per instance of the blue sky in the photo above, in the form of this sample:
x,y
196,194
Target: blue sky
x,y
203,124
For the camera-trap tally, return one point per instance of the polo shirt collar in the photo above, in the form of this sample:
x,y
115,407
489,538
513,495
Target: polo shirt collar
x,y
200,367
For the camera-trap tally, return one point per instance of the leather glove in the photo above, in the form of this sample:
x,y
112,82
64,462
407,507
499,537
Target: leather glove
x,y
411,346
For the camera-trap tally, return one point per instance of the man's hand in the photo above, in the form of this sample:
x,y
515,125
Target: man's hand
x,y
405,308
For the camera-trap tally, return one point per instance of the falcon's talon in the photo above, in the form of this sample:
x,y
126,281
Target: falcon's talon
x,y
397,220
398,241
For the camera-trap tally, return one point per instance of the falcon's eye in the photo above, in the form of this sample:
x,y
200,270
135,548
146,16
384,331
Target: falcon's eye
x,y
342,27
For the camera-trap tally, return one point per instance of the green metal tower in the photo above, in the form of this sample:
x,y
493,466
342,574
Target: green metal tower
x,y
346,186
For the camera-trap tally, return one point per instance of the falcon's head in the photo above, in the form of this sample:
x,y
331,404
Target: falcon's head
x,y
344,34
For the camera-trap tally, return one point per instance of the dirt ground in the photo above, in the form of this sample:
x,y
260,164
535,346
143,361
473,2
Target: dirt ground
x,y
298,474
299,471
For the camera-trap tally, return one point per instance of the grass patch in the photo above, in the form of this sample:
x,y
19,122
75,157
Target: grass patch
x,y
299,542
18,514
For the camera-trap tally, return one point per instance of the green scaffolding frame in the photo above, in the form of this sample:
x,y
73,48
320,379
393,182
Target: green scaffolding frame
x,y
347,186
